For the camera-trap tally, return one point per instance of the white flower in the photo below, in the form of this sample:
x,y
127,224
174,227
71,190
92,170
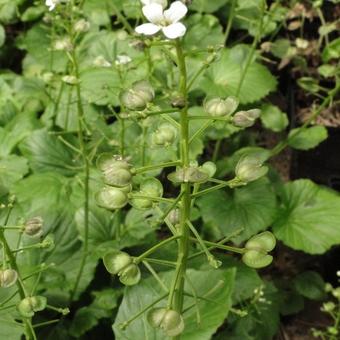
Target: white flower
x,y
100,61
51,4
163,3
167,21
123,59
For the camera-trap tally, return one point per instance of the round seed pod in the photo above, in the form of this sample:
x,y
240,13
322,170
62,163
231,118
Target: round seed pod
x,y
130,275
33,227
218,107
249,168
111,198
170,321
132,100
165,135
264,242
145,90
28,306
209,168
116,261
8,278
188,175
256,259
246,119
141,203
155,317
151,187
174,216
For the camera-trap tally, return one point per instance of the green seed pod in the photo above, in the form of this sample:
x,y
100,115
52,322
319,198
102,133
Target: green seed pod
x,y
155,317
336,293
111,198
151,187
145,90
28,306
174,216
141,203
33,227
188,175
116,261
209,168
130,275
106,160
170,321
218,107
256,259
132,100
165,135
263,242
249,168
8,278
138,96
246,119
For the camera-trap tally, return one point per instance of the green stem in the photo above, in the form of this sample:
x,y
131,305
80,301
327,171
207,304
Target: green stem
x,y
155,167
83,149
230,21
141,257
30,334
214,188
177,289
252,51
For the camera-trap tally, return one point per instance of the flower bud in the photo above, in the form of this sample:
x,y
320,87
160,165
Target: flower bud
x,y
336,293
100,61
33,227
244,119
164,135
130,275
8,278
28,306
249,168
64,44
170,321
70,80
116,261
82,26
218,107
328,306
111,198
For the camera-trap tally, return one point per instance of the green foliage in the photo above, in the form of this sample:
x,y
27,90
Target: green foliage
x,y
307,138
307,219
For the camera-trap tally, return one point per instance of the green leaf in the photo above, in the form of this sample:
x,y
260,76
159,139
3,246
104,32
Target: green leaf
x,y
310,285
252,207
9,328
88,317
308,218
204,30
331,51
273,118
15,131
218,289
12,169
223,78
46,152
207,5
307,138
262,321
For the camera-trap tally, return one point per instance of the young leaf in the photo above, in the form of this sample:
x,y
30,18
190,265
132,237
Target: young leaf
x,y
310,285
273,118
307,138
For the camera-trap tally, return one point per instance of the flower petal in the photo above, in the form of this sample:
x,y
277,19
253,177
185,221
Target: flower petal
x,y
176,12
147,29
154,13
174,31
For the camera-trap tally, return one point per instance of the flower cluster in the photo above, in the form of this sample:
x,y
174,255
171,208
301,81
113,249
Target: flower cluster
x,y
166,21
